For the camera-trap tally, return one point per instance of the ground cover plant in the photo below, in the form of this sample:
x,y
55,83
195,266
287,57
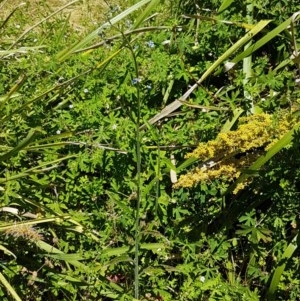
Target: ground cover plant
x,y
150,151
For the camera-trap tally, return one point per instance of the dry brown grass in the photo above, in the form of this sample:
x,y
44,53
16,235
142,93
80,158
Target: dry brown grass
x,y
83,14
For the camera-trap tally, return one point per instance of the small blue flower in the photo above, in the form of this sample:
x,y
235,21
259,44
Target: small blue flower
x,y
150,44
128,23
136,80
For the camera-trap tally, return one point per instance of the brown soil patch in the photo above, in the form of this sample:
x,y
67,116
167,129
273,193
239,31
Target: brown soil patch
x,y
83,14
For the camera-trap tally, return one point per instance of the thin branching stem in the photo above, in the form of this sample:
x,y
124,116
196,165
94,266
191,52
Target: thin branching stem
x,y
247,61
138,168
138,165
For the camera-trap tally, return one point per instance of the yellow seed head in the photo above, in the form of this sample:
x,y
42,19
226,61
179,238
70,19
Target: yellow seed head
x,y
254,133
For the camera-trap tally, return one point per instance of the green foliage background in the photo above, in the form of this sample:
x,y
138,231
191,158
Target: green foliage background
x,y
88,208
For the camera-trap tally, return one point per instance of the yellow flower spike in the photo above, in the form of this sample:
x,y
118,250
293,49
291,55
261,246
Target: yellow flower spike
x,y
254,132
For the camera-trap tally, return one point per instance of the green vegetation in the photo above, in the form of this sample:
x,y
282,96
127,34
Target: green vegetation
x,y
152,154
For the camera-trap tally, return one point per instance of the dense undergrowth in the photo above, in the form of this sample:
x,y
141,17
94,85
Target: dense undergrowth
x,y
154,156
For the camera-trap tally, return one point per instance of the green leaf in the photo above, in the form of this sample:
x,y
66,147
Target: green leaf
x,y
66,257
287,255
225,4
264,40
56,219
245,231
206,108
241,42
30,137
230,122
9,288
264,234
52,250
13,92
116,251
41,168
169,164
278,146
145,246
21,50
186,163
146,13
6,251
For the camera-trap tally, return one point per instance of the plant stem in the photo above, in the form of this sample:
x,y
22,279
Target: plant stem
x,y
138,191
157,179
247,61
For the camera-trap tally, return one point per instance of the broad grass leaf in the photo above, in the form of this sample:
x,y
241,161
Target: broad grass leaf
x,y
243,25
240,43
230,122
225,4
6,251
66,257
30,137
52,250
21,50
186,163
41,168
278,146
287,255
145,13
121,250
264,40
9,288
56,219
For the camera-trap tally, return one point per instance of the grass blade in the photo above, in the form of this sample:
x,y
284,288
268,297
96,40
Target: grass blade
x,y
225,4
9,288
124,34
52,250
178,102
288,253
121,250
271,35
230,122
57,219
10,15
278,146
66,257
30,137
12,92
20,50
62,56
186,163
37,169
145,13
6,251
43,20
249,35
